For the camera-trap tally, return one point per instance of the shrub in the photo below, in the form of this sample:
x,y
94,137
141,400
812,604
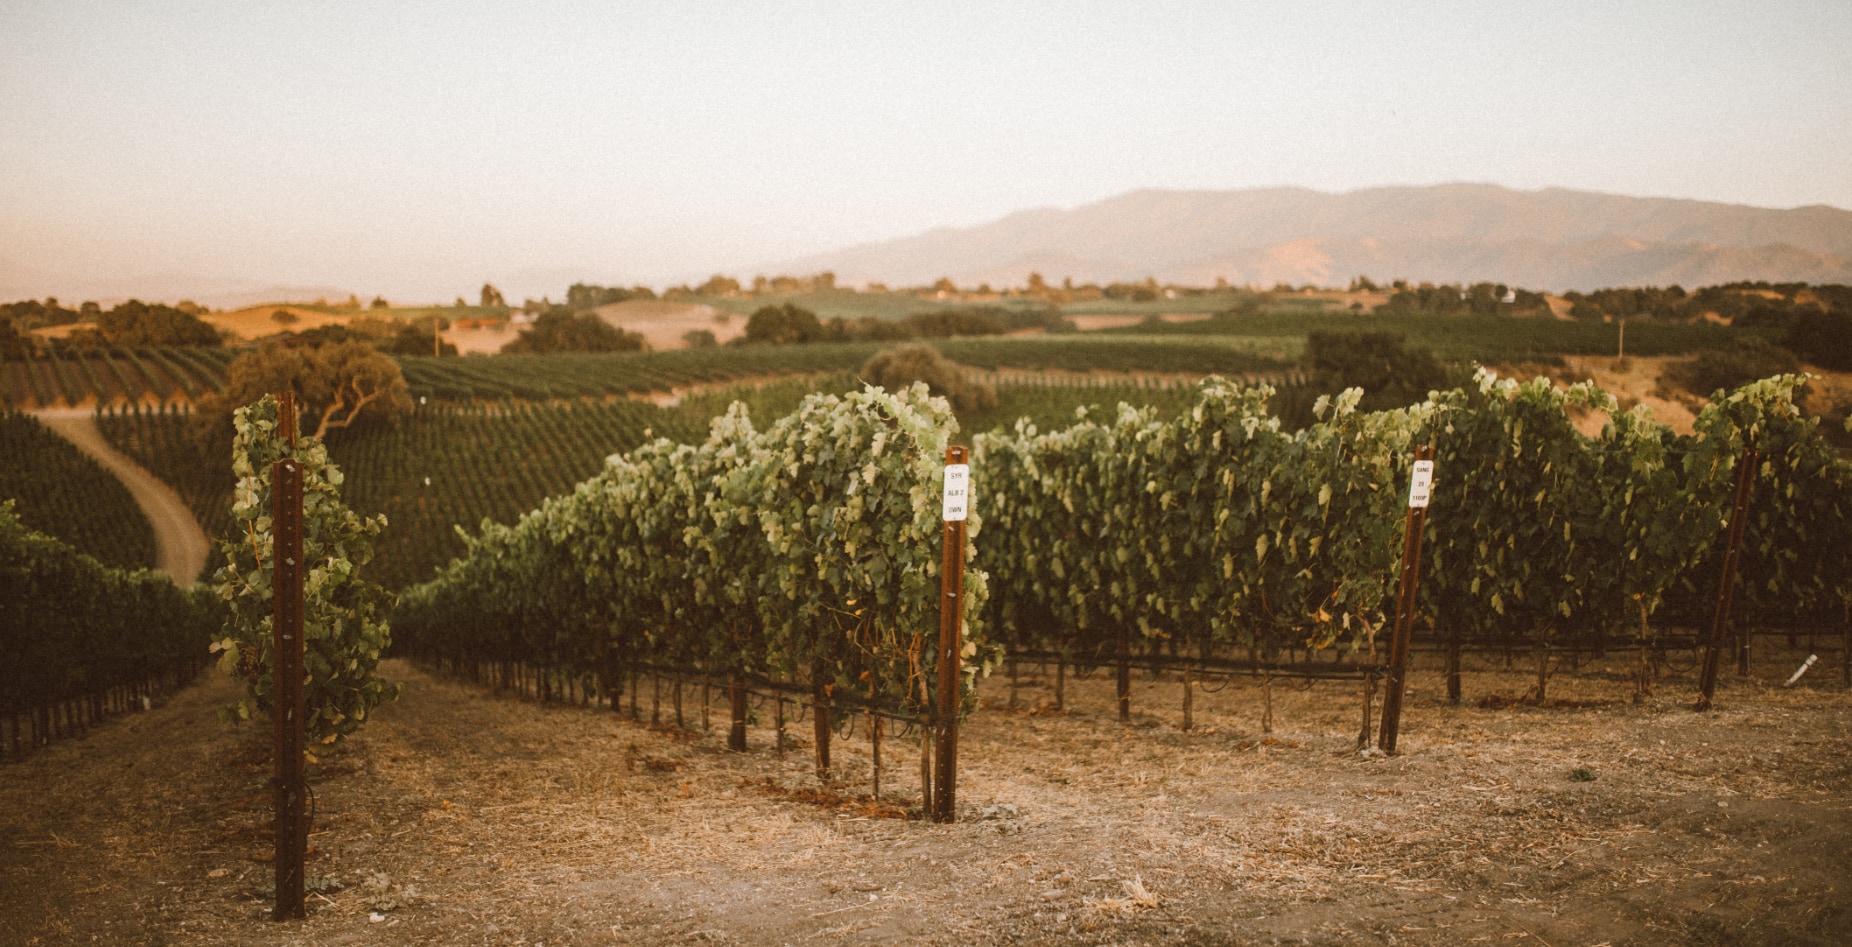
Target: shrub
x,y
560,330
1391,374
895,369
1752,359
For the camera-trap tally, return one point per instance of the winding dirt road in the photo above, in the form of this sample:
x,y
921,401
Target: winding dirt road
x,y
180,546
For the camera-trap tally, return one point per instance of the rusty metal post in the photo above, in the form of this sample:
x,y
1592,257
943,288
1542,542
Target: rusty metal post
x,y
874,731
1123,655
957,500
1454,688
822,724
286,632
286,418
736,690
1420,483
1726,585
1845,646
781,723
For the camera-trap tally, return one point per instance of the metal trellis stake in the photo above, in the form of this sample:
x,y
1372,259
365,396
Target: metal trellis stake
x,y
1420,484
951,633
1726,587
286,630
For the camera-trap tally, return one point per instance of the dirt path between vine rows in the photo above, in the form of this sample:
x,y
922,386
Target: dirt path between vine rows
x,y
460,816
180,545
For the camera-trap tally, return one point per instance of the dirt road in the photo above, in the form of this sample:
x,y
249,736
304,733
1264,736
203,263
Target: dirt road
x,y
180,546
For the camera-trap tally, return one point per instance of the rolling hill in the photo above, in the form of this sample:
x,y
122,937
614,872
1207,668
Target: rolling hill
x,y
1552,239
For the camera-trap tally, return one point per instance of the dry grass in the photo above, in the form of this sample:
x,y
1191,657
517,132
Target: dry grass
x,y
1087,323
260,321
662,324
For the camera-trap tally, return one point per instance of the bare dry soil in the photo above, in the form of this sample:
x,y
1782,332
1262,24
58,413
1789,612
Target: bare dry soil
x,y
460,816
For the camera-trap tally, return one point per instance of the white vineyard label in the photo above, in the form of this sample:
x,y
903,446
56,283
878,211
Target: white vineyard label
x,y
957,491
1418,485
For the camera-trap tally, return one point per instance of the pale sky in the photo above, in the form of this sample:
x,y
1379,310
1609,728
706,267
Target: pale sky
x,y
418,149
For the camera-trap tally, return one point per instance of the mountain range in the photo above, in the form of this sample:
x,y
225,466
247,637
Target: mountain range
x,y
1552,239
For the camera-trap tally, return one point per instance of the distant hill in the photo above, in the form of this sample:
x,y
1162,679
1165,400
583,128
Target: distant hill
x,y
20,281
1552,239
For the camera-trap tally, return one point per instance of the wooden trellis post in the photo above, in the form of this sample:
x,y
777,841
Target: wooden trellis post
x,y
951,632
1420,484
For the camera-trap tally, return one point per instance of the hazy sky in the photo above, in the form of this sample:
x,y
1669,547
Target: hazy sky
x,y
418,149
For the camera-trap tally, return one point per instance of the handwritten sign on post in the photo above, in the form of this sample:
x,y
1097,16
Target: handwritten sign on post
x,y
957,492
1420,484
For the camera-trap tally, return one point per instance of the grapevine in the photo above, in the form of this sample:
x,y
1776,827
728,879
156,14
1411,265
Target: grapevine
x,y
344,628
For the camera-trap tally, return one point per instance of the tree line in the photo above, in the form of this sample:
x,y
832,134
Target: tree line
x,y
132,323
788,324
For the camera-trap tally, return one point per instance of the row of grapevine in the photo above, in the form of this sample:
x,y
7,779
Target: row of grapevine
x,y
1512,466
1049,401
805,556
450,465
160,375
1090,352
1213,529
566,375
445,464
1796,564
1541,536
161,439
80,641
496,460
62,492
1484,339
1217,531
113,376
536,377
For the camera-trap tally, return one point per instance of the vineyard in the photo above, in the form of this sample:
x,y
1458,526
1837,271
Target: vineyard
x,y
61,492
537,377
80,641
1212,542
797,559
1218,540
1485,339
1234,586
116,376
152,376
161,439
1267,341
456,464
1193,549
